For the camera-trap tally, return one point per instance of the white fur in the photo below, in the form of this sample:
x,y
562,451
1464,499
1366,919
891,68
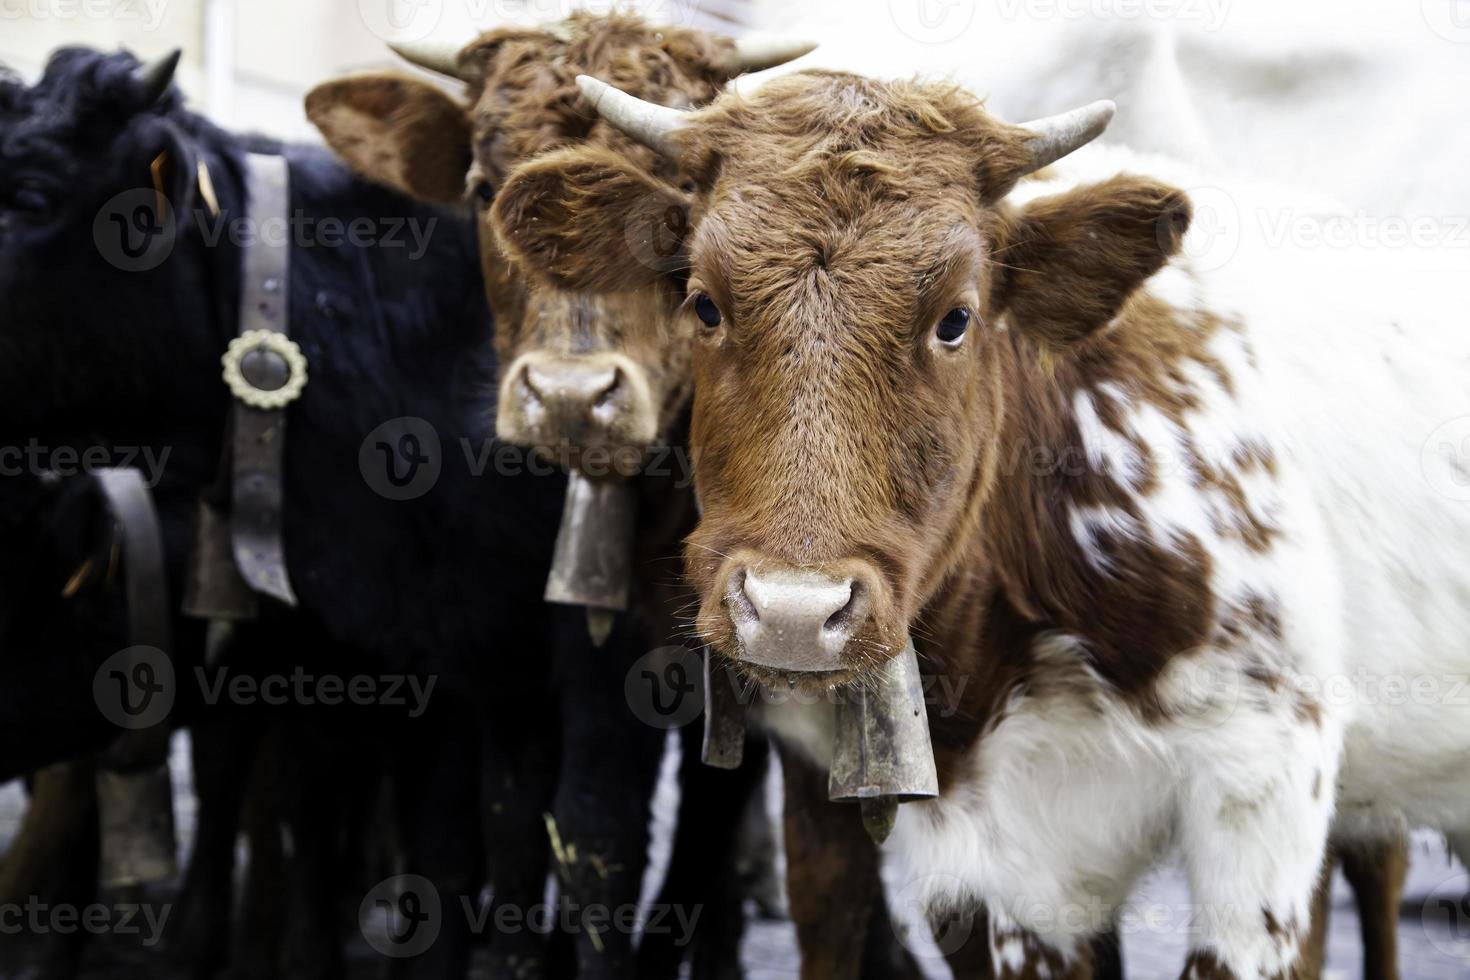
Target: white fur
x,y
1074,795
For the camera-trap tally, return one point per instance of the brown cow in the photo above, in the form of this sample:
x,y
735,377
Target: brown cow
x,y
578,370
890,341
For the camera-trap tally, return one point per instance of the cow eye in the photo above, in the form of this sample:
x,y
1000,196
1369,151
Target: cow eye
x,y
953,325
484,191
706,310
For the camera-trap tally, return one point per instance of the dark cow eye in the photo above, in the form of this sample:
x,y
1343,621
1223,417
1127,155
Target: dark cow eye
x,y
953,326
485,191
706,310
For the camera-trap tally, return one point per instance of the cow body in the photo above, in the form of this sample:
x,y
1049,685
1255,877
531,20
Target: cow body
x,y
1129,495
442,585
1325,572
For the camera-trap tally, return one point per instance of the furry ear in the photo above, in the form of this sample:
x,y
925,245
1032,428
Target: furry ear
x,y
397,130
586,218
1068,263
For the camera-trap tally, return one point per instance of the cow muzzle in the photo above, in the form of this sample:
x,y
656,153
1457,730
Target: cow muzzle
x,y
800,620
567,405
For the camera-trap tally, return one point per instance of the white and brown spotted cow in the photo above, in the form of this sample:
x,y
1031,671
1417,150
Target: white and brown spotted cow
x,y
1170,525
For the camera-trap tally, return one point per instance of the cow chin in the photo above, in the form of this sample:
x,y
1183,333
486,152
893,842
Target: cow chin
x,y
799,626
592,413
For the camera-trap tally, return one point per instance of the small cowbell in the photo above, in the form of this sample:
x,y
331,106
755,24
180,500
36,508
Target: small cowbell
x,y
724,715
137,817
592,563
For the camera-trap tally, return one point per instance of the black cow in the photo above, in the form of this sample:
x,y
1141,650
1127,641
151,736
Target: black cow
x,y
526,719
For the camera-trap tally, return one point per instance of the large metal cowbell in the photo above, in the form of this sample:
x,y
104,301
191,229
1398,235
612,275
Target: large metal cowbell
x,y
882,755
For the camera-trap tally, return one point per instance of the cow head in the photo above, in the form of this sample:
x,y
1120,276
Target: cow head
x,y
867,303
579,369
98,173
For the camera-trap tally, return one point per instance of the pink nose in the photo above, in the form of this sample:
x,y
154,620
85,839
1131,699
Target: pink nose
x,y
576,394
796,619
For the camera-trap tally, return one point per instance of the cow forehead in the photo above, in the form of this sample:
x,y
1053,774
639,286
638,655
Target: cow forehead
x,y
885,260
527,101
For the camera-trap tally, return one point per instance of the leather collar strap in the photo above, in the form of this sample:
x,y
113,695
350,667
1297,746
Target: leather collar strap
x,y
265,372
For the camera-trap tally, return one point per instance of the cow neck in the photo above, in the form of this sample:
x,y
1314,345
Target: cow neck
x,y
1022,570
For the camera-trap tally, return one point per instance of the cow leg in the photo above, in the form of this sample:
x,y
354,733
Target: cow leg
x,y
974,959
520,765
222,750
1107,956
1314,950
610,761
832,874
969,935
436,778
1019,954
318,771
1376,872
1253,838
702,867
54,858
256,953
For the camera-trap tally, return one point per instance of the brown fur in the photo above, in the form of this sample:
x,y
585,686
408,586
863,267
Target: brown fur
x,y
522,101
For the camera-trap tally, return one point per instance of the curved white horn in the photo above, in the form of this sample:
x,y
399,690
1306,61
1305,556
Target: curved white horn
x,y
1053,137
756,51
437,56
650,124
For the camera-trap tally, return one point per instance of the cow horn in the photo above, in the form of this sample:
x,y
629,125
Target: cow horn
x,y
757,51
437,56
154,78
650,124
1053,137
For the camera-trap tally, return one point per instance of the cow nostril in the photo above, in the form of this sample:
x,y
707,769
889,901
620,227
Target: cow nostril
x,y
605,397
742,610
849,617
527,381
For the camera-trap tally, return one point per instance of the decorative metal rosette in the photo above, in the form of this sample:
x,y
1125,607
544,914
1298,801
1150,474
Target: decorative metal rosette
x,y
264,369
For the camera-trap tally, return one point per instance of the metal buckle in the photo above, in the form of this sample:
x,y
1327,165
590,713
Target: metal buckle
x,y
273,379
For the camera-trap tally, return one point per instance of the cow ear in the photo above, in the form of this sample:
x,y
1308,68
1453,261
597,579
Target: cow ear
x,y
397,130
587,218
1067,264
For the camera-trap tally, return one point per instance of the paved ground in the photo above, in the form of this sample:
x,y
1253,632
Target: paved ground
x,y
1434,928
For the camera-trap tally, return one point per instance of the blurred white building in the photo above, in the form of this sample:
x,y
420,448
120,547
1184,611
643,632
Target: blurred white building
x,y
247,63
